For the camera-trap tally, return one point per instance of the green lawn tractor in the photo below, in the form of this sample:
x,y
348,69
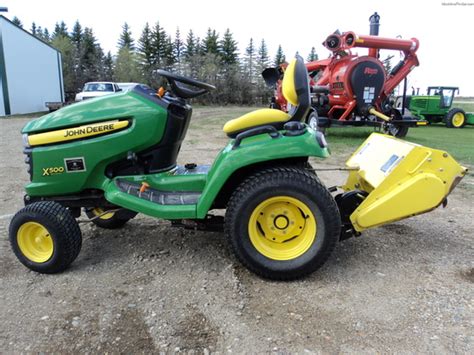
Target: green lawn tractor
x,y
436,106
114,157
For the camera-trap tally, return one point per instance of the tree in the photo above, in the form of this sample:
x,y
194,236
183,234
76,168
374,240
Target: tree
x,y
190,46
146,54
280,56
91,56
168,54
17,21
228,49
66,47
108,67
33,29
263,61
60,30
210,42
312,55
178,49
126,39
126,66
158,41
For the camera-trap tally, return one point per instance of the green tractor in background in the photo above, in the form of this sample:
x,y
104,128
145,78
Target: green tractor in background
x,y
436,106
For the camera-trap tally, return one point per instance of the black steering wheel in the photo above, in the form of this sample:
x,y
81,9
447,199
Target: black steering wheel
x,y
182,91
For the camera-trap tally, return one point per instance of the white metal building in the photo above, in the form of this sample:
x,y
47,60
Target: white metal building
x,y
30,71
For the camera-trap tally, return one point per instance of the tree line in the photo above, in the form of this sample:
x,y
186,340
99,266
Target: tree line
x,y
213,58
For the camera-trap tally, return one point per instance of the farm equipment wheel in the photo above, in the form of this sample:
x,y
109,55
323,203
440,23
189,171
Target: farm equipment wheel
x,y
395,130
455,118
282,223
45,237
108,220
312,121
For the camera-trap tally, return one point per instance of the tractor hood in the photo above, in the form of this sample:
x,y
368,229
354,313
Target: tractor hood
x,y
107,108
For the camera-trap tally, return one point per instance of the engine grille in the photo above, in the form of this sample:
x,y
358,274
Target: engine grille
x,y
29,161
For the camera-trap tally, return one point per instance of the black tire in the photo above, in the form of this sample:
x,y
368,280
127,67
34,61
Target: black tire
x,y
61,229
296,183
115,221
394,130
313,121
451,118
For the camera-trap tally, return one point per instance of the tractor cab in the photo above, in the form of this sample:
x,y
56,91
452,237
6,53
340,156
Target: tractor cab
x,y
445,93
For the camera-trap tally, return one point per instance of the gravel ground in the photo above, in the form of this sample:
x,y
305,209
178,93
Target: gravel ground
x,y
149,287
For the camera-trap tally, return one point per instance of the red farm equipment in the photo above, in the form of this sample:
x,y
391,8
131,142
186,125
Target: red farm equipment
x,y
352,89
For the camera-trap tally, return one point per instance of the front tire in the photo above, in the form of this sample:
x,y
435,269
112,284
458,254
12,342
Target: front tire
x,y
45,237
455,118
282,223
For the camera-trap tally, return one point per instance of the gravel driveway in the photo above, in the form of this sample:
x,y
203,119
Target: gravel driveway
x,y
150,287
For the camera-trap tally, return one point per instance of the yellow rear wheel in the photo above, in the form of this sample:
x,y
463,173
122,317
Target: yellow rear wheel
x,y
282,223
282,228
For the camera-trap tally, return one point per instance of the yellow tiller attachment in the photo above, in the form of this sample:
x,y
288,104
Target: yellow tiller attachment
x,y
402,179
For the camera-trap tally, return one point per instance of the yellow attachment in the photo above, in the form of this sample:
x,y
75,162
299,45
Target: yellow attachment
x,y
402,179
73,133
380,115
282,228
99,212
255,118
35,242
288,87
458,119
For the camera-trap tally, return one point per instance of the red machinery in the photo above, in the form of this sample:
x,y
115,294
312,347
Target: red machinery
x,y
349,89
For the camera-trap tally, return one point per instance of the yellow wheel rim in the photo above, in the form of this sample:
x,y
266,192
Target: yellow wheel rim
x,y
35,242
98,212
282,228
458,119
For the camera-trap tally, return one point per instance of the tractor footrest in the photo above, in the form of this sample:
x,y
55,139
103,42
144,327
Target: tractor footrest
x,y
157,196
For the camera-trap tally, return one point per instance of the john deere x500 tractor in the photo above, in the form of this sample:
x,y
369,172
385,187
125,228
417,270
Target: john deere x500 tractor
x,y
115,156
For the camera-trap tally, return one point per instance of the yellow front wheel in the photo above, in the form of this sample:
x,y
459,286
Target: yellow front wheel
x,y
455,118
282,223
45,237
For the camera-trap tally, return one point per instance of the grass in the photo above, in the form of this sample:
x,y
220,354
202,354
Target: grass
x,y
466,105
458,142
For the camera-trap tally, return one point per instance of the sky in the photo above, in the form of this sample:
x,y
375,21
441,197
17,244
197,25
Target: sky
x,y
445,28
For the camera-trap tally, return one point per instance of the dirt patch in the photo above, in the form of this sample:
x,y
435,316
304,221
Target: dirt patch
x,y
467,275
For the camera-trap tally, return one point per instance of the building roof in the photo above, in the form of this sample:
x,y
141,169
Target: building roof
x,y
28,33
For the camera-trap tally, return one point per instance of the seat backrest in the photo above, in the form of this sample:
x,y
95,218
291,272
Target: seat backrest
x,y
295,88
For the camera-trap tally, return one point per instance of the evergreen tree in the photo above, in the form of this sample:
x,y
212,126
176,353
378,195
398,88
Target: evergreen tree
x,y
312,55
158,42
178,47
190,46
168,54
210,42
76,35
249,60
228,49
91,56
126,39
263,59
108,67
60,30
33,29
146,54
17,21
279,57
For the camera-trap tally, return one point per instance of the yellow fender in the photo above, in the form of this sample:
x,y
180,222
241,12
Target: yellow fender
x,y
402,179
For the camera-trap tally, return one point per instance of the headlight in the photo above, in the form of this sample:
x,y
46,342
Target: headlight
x,y
24,138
